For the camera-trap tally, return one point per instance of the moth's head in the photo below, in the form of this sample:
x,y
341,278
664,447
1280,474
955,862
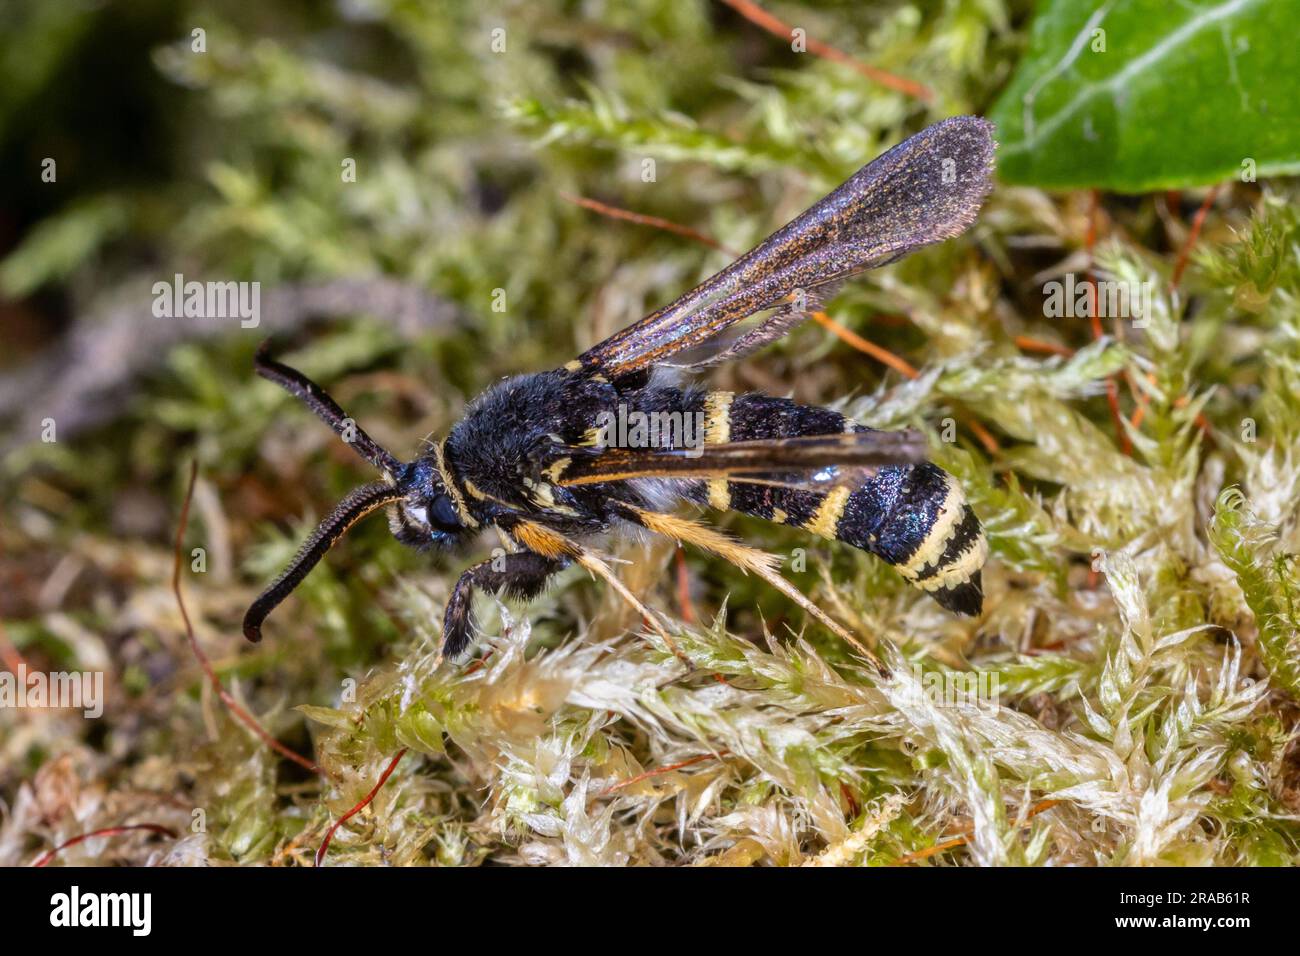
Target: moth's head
x,y
426,515
421,512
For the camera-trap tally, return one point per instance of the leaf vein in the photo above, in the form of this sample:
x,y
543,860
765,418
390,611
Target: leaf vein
x,y
1158,52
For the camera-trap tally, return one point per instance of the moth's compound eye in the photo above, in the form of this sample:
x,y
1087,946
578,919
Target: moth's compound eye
x,y
442,514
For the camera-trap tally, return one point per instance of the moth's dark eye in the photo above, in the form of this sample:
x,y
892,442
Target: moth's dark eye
x,y
442,514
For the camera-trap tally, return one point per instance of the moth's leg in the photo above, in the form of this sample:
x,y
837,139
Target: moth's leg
x,y
749,560
521,574
539,538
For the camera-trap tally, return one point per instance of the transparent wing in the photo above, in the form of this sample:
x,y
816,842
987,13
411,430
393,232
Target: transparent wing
x,y
924,190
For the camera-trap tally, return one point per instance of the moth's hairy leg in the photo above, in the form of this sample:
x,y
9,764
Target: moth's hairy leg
x,y
540,538
522,575
749,560
597,566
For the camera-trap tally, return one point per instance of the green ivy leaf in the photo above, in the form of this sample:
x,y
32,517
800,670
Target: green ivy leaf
x,y
1140,95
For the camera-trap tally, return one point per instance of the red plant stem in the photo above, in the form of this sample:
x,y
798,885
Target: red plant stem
x,y
48,855
986,437
1028,344
900,365
1144,399
240,713
882,355
659,771
684,586
1181,401
1193,234
478,664
1089,243
779,28
852,801
667,225
965,837
1112,391
365,801
1180,264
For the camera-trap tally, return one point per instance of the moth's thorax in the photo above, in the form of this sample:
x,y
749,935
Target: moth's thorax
x,y
513,426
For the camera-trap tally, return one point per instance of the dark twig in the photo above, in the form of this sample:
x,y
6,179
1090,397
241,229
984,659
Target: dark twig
x,y
85,379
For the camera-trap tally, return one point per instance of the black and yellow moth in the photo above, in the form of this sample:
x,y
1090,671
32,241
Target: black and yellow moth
x,y
527,457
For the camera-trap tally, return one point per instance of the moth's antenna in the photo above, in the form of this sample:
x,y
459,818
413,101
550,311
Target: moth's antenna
x,y
346,513
318,400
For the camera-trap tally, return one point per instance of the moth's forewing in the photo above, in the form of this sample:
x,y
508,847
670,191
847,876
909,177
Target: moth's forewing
x,y
924,190
811,462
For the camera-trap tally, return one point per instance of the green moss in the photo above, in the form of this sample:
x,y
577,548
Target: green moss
x,y
1141,608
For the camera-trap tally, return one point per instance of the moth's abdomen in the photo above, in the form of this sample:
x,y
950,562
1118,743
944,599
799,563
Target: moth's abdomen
x,y
914,517
925,529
